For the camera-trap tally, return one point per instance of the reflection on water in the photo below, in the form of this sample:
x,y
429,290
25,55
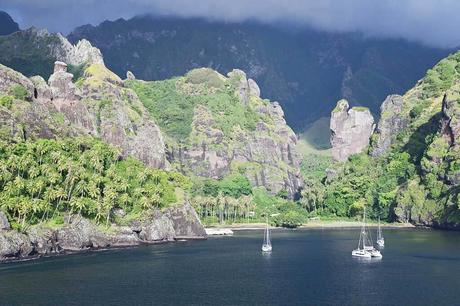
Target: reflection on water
x,y
306,267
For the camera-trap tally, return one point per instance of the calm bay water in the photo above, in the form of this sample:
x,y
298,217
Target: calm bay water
x,y
306,267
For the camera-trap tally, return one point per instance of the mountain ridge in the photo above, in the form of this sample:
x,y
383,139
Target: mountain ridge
x,y
304,69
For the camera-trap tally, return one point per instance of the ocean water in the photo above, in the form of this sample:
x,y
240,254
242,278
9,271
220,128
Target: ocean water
x,y
306,267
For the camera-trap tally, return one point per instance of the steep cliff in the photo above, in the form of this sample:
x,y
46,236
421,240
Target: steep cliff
x,y
215,125
33,52
390,124
351,130
97,105
412,172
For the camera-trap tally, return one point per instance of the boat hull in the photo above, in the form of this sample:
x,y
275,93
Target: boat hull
x,y
361,254
266,248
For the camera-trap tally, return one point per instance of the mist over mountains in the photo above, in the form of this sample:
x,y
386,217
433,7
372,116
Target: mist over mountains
x,y
306,70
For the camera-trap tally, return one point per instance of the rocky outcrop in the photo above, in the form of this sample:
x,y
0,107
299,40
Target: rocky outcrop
x,y
450,131
14,245
245,88
267,154
83,53
130,76
351,130
10,78
185,222
41,89
60,83
120,118
4,224
100,107
390,124
77,234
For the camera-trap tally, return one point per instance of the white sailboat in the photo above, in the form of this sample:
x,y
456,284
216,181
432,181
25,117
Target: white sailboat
x,y
365,246
267,245
380,239
361,250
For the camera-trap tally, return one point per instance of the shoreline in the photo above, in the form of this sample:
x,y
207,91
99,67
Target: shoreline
x,y
98,249
339,224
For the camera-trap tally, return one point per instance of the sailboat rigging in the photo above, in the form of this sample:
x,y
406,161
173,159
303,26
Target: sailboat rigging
x,y
365,246
267,245
380,239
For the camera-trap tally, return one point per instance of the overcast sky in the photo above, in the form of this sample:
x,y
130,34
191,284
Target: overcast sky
x,y
433,22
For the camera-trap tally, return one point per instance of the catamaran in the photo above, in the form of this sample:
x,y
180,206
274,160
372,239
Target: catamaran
x,y
267,245
365,246
380,239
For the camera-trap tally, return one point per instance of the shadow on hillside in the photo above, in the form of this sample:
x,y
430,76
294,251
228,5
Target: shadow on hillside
x,y
421,138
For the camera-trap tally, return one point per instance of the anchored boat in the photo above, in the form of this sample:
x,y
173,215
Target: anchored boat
x,y
267,245
365,246
380,239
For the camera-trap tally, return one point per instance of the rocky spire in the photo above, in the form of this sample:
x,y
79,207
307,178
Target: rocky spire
x,y
390,124
61,84
245,87
350,130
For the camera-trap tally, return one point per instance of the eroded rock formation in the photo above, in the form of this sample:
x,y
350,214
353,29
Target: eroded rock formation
x,y
100,106
179,222
390,124
267,155
351,130
450,131
4,224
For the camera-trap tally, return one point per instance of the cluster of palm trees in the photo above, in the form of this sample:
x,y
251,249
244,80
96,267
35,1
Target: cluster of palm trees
x,y
42,179
224,208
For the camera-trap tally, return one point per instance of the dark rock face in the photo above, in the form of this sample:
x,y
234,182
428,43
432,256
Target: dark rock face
x,y
267,153
4,224
390,124
14,245
80,234
41,89
44,241
351,130
185,222
178,222
450,131
7,24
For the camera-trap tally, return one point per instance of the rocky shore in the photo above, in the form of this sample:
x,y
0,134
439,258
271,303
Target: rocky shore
x,y
80,234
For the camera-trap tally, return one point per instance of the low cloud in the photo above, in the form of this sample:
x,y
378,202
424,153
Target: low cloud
x,y
432,22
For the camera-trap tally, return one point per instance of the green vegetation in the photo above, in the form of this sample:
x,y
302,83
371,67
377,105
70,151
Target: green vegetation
x,y
18,92
77,71
316,138
29,52
206,76
41,180
413,180
232,199
173,103
360,108
6,101
441,77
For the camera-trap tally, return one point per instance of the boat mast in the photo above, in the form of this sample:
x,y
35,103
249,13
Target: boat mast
x,y
267,233
364,228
